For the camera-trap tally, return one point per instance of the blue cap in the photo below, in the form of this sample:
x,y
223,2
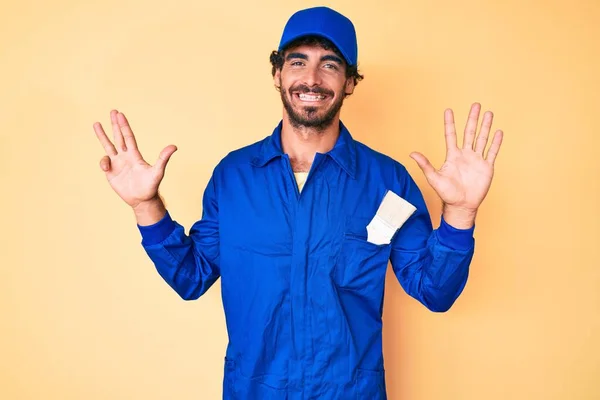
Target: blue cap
x,y
323,22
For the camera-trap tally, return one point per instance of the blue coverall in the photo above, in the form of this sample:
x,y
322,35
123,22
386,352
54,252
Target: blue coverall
x,y
302,288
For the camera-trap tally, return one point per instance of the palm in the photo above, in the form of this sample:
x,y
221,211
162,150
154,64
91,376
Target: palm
x,y
130,176
133,180
465,177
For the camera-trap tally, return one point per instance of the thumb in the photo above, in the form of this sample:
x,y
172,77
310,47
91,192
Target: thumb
x,y
105,163
423,163
163,158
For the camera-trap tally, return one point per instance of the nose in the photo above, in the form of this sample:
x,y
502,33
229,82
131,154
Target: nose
x,y
312,77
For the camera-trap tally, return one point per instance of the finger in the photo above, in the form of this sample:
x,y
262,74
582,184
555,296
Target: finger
x,y
484,132
450,130
119,142
105,163
128,136
471,126
495,146
163,158
104,141
424,164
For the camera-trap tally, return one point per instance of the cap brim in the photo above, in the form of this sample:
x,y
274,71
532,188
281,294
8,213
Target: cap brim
x,y
283,45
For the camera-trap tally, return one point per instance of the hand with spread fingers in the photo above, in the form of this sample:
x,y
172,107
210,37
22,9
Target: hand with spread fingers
x,y
464,179
131,177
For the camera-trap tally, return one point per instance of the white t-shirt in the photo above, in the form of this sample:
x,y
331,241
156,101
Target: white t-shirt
x,y
300,179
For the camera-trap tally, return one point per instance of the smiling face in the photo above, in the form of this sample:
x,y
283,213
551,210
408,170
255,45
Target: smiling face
x,y
313,85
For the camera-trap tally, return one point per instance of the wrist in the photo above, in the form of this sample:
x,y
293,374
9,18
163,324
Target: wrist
x,y
149,212
459,217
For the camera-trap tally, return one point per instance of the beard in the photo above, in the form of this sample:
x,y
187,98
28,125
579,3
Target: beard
x,y
308,117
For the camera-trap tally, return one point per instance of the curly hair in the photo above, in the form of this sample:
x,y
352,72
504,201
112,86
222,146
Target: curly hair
x,y
276,57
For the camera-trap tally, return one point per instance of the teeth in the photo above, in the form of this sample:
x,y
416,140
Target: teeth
x,y
311,97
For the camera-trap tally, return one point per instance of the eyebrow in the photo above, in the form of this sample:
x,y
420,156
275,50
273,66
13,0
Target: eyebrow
x,y
328,57
296,55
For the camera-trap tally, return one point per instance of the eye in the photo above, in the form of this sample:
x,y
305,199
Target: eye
x,y
331,66
296,63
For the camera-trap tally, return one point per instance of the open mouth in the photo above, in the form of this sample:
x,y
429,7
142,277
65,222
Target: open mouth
x,y
311,98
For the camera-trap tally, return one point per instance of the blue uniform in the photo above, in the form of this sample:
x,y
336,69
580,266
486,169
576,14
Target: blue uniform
x,y
302,288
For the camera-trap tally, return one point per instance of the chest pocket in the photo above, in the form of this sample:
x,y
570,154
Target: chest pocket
x,y
360,265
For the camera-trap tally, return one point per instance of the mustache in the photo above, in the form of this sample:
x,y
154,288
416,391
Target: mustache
x,y
316,90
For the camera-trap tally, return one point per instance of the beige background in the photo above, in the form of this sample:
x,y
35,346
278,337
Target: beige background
x,y
84,315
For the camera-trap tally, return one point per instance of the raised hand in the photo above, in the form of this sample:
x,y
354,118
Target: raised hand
x,y
464,179
130,176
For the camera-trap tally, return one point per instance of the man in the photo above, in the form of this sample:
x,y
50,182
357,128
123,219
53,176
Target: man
x,y
300,227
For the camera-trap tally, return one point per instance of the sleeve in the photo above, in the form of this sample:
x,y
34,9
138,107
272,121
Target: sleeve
x,y
432,266
188,263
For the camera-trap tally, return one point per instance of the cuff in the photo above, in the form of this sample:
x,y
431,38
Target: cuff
x,y
457,239
157,232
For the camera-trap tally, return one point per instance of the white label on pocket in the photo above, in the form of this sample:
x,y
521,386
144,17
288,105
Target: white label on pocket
x,y
391,215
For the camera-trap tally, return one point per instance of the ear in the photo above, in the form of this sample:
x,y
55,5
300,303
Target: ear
x,y
349,88
277,79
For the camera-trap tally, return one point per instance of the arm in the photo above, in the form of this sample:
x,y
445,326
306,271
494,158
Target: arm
x,y
188,263
432,266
